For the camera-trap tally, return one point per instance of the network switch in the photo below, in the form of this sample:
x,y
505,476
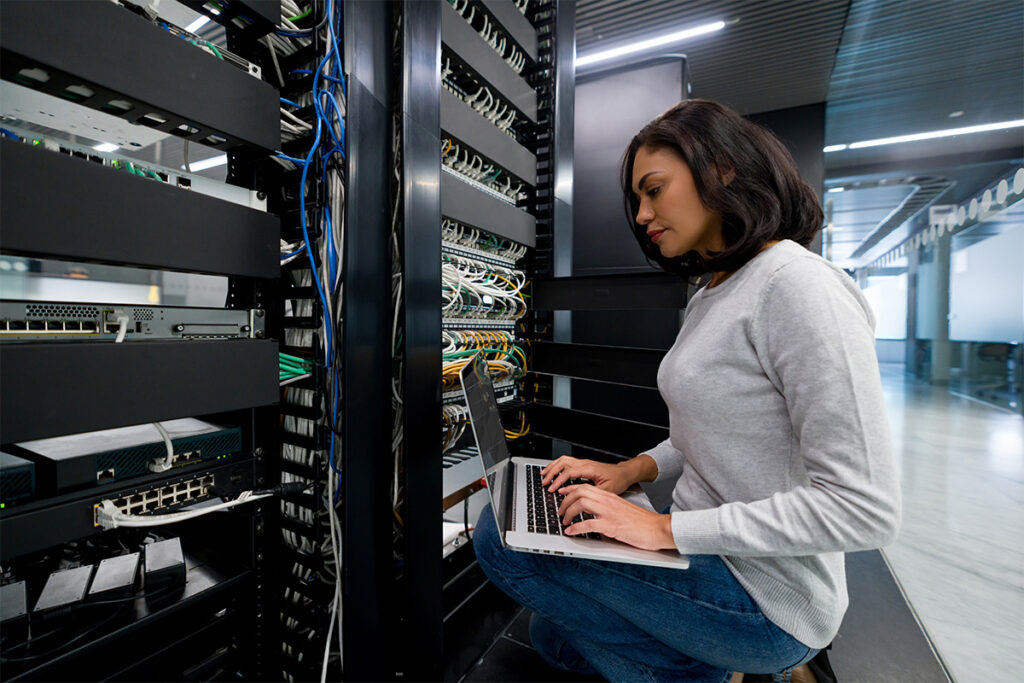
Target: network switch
x,y
94,458
22,105
60,321
163,497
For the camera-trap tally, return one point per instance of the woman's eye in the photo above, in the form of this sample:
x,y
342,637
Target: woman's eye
x,y
653,191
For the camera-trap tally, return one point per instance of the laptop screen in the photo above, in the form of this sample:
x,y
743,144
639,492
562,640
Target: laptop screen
x,y
490,438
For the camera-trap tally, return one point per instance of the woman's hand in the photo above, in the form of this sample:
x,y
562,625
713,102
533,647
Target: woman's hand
x,y
615,478
615,518
605,476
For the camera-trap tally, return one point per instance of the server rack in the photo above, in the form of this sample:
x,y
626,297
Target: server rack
x,y
494,82
60,207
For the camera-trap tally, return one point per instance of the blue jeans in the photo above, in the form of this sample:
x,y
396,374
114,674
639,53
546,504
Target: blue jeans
x,y
636,623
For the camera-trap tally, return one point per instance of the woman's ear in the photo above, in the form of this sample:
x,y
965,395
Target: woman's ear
x,y
727,177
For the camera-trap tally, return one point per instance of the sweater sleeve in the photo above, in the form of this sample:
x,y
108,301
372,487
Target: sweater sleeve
x,y
815,340
668,459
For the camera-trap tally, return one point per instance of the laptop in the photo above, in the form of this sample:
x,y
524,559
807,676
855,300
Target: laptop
x,y
526,513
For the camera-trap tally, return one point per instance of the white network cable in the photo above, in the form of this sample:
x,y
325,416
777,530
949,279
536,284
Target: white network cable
x,y
163,465
109,516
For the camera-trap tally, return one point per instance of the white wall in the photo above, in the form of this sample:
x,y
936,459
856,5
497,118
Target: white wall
x,y
986,289
887,295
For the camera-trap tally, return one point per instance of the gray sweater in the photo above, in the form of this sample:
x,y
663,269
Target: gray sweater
x,y
778,435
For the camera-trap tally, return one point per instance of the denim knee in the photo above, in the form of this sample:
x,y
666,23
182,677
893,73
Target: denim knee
x,y
552,645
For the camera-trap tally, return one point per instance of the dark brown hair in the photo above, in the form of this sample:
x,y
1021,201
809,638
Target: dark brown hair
x,y
765,198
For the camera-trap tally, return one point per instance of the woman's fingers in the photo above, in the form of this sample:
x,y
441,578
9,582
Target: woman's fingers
x,y
587,526
582,498
554,468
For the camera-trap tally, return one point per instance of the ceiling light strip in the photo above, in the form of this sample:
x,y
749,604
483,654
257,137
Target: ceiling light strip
x,y
931,135
650,43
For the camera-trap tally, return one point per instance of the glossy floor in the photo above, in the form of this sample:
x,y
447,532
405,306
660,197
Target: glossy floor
x,y
960,552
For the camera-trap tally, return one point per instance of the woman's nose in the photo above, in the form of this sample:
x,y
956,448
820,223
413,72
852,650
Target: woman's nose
x,y
644,215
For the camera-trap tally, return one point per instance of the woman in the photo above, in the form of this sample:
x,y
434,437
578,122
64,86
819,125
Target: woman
x,y
778,438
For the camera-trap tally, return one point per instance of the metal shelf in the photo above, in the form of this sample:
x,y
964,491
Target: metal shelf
x,y
632,291
53,205
481,57
66,388
612,364
624,438
86,43
515,24
465,204
466,124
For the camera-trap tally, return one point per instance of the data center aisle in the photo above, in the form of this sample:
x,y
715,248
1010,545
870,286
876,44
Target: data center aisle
x,y
959,555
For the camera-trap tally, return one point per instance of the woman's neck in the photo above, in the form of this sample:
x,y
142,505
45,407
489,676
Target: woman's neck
x,y
721,276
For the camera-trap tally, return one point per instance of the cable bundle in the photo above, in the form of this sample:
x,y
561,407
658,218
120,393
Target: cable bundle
x,y
490,32
504,359
470,165
456,233
474,289
502,114
316,117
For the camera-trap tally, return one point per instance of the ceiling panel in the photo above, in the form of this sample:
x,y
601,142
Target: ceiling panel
x,y
776,55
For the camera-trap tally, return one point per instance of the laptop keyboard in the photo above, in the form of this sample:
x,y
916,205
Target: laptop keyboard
x,y
542,506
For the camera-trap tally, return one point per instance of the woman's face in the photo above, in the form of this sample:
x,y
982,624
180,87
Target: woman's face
x,y
676,219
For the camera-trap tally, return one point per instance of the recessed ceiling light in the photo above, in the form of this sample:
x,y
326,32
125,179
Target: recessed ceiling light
x,y
956,114
106,147
837,189
833,148
204,164
650,43
198,24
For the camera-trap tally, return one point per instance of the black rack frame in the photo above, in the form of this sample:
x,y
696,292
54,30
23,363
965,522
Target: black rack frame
x,y
58,207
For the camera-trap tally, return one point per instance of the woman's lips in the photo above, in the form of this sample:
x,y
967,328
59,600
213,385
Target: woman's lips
x,y
655,235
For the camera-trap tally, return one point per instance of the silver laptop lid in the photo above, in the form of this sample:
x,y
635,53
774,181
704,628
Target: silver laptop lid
x,y
490,438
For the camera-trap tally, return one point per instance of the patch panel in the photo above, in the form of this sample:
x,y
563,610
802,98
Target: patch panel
x,y
163,497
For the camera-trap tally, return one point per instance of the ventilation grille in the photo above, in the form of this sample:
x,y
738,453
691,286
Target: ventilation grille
x,y
130,462
62,311
143,313
15,485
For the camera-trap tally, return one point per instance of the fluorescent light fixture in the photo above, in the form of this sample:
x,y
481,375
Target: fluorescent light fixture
x,y
931,135
833,148
198,24
106,147
837,189
208,163
666,39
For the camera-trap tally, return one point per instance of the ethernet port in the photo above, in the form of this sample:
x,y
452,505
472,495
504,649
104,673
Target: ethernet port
x,y
3,325
105,476
36,325
111,328
88,326
17,325
55,325
185,182
72,326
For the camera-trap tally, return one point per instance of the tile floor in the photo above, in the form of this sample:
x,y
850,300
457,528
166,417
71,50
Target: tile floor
x,y
960,552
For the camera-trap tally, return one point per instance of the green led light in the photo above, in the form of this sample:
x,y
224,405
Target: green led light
x,y
35,143
3,505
